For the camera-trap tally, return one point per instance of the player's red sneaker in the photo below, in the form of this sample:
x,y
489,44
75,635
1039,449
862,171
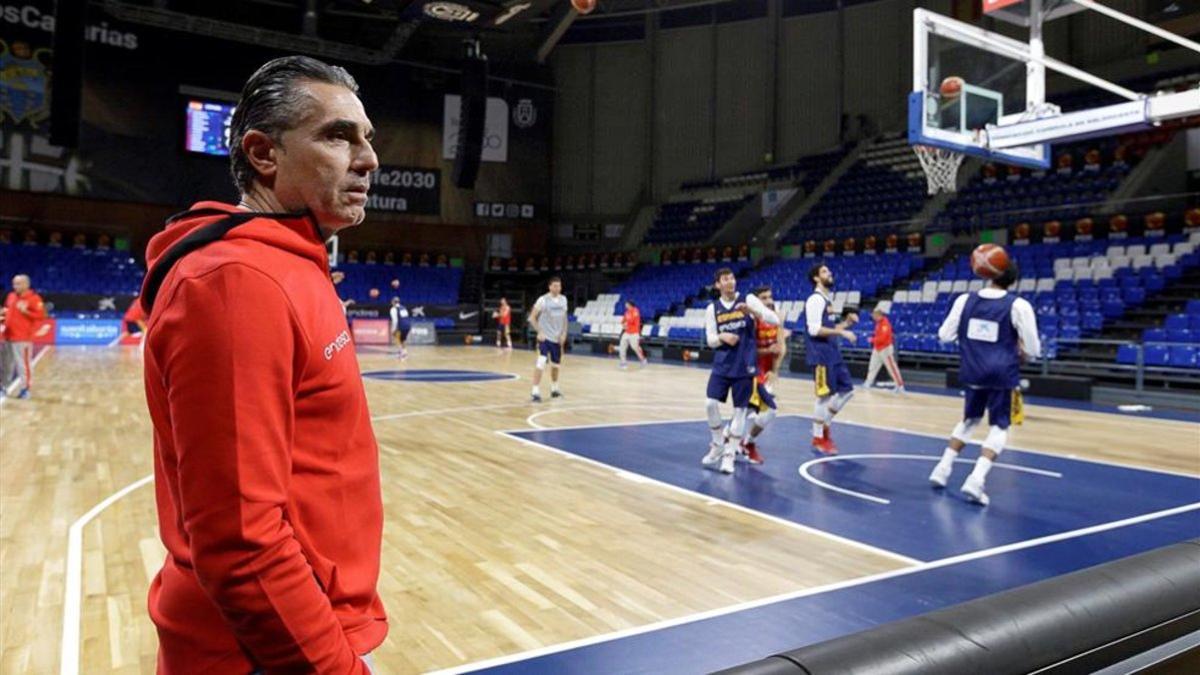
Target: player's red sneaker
x,y
751,450
824,446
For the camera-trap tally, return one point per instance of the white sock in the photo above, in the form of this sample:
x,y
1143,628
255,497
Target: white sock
x,y
718,435
553,386
536,391
948,457
818,428
982,466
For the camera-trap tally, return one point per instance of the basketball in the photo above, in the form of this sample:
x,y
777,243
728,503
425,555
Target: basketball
x,y
989,261
952,87
584,6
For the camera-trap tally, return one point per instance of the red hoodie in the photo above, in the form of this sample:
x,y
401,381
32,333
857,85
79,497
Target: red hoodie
x,y
20,327
266,467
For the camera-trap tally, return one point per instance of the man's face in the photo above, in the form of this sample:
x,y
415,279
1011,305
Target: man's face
x,y
20,284
877,315
767,299
825,277
727,284
324,163
555,287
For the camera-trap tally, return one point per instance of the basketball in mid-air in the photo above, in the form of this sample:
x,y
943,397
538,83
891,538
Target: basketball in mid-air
x,y
952,87
989,261
583,6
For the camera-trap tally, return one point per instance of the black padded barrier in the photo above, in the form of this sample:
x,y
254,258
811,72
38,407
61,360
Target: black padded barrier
x,y
1073,623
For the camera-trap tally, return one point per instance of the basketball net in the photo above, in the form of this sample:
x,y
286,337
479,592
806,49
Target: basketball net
x,y
941,167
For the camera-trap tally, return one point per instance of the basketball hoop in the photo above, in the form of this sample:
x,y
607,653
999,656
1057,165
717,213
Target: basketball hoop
x,y
941,167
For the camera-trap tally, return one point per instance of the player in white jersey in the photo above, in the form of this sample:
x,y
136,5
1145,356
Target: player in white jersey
x,y
549,319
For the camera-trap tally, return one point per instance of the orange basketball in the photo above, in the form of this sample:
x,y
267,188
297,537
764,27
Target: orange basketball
x,y
583,6
989,261
952,87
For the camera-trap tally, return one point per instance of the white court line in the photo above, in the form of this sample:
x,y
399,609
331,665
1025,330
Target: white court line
x,y
713,499
464,377
753,604
867,425
72,598
12,386
532,419
924,458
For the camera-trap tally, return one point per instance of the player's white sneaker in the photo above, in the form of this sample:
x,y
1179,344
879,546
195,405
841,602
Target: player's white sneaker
x,y
727,462
941,474
973,490
901,391
623,365
714,455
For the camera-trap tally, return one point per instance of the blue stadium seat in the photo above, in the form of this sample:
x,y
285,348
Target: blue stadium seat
x,y
1157,355
1183,357
1177,322
1127,354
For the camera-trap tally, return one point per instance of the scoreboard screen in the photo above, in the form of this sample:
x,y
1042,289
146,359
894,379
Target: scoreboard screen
x,y
208,127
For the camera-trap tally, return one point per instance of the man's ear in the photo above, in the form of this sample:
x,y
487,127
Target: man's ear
x,y
262,153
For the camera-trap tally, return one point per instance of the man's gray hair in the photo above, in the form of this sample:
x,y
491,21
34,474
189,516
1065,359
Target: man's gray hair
x,y
273,102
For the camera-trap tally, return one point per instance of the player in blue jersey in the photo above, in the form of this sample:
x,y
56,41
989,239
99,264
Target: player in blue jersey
x,y
995,330
831,377
730,330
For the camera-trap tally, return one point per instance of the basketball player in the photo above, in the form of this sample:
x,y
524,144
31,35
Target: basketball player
x,y
772,344
23,313
631,334
995,330
730,329
830,374
549,319
401,325
503,317
337,277
771,348
266,466
883,352
6,360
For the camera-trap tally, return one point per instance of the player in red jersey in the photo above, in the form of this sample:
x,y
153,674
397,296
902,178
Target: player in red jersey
x,y
503,317
771,350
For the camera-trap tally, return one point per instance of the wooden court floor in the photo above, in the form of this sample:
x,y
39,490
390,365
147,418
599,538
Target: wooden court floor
x,y
491,546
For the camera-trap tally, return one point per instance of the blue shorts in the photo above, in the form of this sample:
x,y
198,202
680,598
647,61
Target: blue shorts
x,y
997,403
551,350
761,399
719,387
834,379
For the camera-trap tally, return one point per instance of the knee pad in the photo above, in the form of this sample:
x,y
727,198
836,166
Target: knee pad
x,y
964,429
737,427
713,408
541,362
821,409
839,401
996,439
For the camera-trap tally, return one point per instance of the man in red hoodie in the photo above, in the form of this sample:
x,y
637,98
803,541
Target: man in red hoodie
x,y
23,315
266,466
